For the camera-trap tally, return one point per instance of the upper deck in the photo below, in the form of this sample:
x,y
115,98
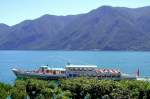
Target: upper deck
x,y
81,66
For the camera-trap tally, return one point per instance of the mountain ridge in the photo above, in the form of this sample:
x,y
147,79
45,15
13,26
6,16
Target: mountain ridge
x,y
104,28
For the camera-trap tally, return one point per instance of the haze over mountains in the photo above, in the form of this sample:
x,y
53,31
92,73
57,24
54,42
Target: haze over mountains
x,y
105,28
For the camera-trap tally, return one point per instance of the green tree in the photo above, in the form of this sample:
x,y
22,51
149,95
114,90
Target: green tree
x,y
4,90
34,88
19,90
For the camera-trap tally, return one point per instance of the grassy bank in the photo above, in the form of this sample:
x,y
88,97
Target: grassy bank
x,y
77,88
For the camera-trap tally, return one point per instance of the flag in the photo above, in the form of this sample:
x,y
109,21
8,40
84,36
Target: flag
x,y
138,73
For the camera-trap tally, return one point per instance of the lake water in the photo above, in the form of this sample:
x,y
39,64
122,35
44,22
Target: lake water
x,y
127,62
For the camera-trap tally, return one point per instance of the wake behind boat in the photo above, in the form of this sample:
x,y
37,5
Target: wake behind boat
x,y
45,72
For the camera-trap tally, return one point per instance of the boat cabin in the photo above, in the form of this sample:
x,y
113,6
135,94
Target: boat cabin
x,y
108,73
48,70
92,71
80,70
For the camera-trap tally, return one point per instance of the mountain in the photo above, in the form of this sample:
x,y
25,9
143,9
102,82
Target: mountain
x,y
105,28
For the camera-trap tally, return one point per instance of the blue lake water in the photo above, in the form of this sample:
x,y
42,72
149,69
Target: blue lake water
x,y
127,62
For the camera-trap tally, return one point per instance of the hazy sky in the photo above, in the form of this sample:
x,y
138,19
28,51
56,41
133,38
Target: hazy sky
x,y
15,11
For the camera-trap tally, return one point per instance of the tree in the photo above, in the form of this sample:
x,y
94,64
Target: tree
x,y
18,91
75,86
4,90
34,87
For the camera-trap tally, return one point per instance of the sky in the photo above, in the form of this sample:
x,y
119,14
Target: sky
x,y
15,11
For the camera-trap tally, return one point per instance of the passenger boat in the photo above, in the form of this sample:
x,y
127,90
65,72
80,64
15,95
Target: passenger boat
x,y
70,71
